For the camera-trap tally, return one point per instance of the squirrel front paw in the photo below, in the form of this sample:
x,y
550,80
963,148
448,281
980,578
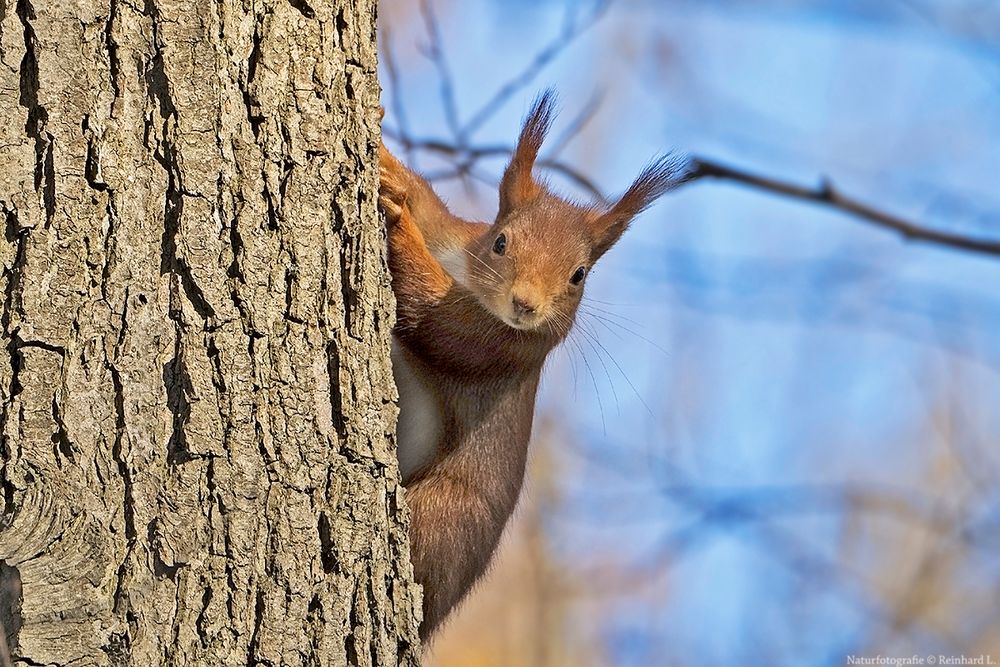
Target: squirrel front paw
x,y
392,200
391,187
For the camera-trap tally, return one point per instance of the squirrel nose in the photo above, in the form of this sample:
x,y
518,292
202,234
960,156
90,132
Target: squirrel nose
x,y
522,307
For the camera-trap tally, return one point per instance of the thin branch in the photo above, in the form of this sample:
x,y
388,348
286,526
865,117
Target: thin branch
x,y
577,177
700,168
575,127
395,89
569,33
435,52
464,157
825,194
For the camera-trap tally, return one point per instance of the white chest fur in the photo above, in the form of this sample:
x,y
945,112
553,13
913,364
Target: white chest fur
x,y
419,429
455,261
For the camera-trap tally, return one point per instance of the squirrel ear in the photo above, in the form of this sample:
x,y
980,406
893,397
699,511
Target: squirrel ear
x,y
518,186
659,177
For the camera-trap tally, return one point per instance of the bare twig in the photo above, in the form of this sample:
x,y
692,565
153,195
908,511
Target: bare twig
x,y
458,150
572,28
825,194
575,127
395,89
701,168
575,176
435,52
464,155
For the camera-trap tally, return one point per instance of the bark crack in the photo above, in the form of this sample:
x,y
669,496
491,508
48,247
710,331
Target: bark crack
x,y
161,568
236,276
15,274
38,116
158,87
202,621
326,543
61,439
249,100
349,293
258,622
114,65
110,250
178,386
304,8
119,645
336,397
92,163
12,301
315,622
128,498
170,261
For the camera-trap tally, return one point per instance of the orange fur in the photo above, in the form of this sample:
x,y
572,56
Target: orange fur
x,y
478,340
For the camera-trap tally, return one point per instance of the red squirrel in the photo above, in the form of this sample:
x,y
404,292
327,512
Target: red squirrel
x,y
478,308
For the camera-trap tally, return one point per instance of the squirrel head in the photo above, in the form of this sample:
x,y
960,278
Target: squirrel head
x,y
529,269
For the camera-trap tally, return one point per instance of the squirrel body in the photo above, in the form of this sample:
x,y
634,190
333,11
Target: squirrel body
x,y
423,409
478,308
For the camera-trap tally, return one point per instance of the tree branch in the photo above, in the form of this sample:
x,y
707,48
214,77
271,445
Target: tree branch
x,y
434,51
825,194
571,30
395,88
464,154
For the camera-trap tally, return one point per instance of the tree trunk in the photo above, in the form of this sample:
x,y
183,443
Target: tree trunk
x,y
197,400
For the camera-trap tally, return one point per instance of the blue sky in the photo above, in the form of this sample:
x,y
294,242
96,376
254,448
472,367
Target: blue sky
x,y
769,343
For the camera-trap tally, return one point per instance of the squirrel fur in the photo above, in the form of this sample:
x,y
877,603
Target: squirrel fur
x,y
479,306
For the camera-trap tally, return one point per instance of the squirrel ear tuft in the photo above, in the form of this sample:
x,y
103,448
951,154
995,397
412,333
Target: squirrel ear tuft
x,y
659,177
518,186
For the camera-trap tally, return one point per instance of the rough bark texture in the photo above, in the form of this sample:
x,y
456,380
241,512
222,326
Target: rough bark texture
x,y
196,398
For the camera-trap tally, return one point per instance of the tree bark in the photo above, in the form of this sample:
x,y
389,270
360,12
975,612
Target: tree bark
x,y
196,401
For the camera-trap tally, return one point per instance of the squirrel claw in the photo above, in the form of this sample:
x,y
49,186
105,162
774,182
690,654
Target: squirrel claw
x,y
393,211
392,199
391,190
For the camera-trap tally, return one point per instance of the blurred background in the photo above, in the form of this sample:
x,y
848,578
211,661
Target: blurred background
x,y
774,436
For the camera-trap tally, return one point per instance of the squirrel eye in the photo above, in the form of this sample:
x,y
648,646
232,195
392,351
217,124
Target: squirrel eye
x,y
579,275
500,245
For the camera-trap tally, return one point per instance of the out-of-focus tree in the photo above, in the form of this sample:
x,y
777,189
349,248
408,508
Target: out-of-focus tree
x,y
853,508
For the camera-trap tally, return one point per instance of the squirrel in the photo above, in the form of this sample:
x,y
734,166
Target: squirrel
x,y
479,306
